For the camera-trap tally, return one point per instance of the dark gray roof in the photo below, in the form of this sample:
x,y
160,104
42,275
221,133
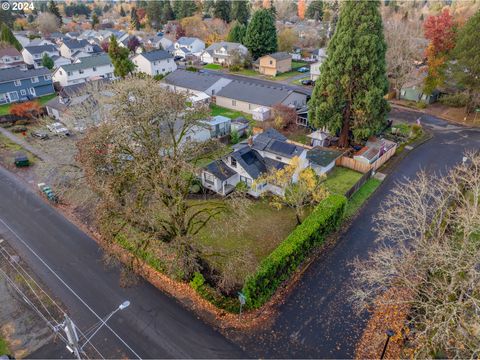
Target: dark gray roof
x,y
191,80
156,55
10,74
220,170
40,49
56,104
253,163
241,120
280,55
322,156
265,95
274,142
76,44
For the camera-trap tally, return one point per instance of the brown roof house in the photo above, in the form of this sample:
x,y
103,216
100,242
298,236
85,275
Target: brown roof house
x,y
274,64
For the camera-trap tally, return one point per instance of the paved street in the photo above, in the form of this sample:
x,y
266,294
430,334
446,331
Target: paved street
x,y
70,264
317,320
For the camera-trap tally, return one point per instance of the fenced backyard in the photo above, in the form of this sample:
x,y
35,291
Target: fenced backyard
x,y
364,167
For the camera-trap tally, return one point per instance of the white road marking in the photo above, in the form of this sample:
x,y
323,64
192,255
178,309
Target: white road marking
x,y
68,287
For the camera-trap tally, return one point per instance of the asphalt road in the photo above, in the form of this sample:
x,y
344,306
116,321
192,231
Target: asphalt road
x,y
70,264
317,320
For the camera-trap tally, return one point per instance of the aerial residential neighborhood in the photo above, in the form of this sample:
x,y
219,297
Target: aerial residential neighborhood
x,y
239,179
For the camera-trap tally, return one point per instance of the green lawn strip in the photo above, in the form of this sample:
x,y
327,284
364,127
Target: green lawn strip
x,y
299,81
4,347
298,64
246,72
5,109
285,75
357,200
14,147
213,66
232,114
341,179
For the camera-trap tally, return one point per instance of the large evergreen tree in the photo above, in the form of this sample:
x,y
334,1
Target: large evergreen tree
x,y
222,10
119,55
184,8
135,23
154,12
466,70
47,61
122,11
168,13
240,11
7,36
53,8
315,10
349,94
261,35
237,33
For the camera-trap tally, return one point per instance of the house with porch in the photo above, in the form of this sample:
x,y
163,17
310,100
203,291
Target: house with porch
x,y
223,52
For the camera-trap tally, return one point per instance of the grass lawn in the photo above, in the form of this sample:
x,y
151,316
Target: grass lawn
x,y
298,64
361,196
213,156
213,66
3,347
266,228
246,72
299,81
341,179
4,109
232,114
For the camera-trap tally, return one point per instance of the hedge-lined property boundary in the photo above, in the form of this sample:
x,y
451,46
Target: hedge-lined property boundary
x,y
284,260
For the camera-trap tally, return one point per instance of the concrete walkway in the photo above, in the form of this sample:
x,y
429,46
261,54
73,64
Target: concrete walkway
x,y
38,153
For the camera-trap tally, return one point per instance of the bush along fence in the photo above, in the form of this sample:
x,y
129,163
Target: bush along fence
x,y
284,260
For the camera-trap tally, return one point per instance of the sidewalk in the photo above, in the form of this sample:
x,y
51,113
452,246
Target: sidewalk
x,y
39,154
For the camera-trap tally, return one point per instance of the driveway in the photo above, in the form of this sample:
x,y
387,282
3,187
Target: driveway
x,y
317,320
70,265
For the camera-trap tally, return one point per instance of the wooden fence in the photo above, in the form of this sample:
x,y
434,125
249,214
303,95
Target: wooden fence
x,y
358,184
363,167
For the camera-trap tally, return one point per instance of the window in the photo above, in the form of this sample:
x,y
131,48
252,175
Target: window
x,y
213,91
32,91
18,82
247,181
94,68
69,73
23,92
13,96
46,77
271,62
250,106
209,178
80,71
7,59
234,102
278,158
3,98
233,162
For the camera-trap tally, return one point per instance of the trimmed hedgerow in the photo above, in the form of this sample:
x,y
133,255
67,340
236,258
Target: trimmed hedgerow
x,y
284,260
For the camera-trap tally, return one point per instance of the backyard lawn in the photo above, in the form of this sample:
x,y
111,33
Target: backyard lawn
x,y
232,114
213,66
341,179
357,200
4,109
298,64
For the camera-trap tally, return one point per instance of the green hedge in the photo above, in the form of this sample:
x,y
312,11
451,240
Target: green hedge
x,y
284,260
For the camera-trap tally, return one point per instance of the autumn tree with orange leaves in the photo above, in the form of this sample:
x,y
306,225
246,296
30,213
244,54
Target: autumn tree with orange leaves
x,y
301,9
27,110
440,30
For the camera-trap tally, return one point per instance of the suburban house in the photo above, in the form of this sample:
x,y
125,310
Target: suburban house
x,y
74,49
10,57
19,85
315,70
415,93
157,42
373,149
252,97
32,55
274,64
85,69
240,125
155,62
223,52
318,54
24,39
196,83
185,46
266,151
322,160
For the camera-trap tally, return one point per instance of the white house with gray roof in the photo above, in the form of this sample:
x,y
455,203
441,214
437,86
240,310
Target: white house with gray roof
x,y
90,68
247,96
32,55
74,49
222,52
185,46
157,62
267,150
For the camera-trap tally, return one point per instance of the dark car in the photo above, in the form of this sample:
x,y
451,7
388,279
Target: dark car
x,y
178,58
307,82
40,135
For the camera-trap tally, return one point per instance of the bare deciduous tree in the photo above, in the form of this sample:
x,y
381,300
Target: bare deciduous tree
x,y
429,230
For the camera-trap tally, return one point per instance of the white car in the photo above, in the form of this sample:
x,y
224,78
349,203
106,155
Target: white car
x,y
58,128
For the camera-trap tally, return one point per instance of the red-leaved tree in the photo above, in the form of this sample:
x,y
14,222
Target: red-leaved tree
x,y
27,110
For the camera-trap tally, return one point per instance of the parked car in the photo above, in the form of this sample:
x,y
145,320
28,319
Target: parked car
x,y
303,69
21,160
40,135
308,82
58,129
178,58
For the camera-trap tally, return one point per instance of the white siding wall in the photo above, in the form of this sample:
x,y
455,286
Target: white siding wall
x,y
65,79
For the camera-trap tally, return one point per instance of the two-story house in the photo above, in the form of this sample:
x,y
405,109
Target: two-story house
x,y
19,85
74,49
223,52
186,46
274,64
85,69
157,42
250,160
157,62
319,55
10,57
33,55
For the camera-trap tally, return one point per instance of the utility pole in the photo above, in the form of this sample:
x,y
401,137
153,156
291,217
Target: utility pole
x,y
69,328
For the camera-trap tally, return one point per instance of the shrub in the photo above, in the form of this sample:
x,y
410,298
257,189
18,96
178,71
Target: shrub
x,y
454,100
191,68
197,282
158,77
18,129
421,105
234,68
284,260
234,137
